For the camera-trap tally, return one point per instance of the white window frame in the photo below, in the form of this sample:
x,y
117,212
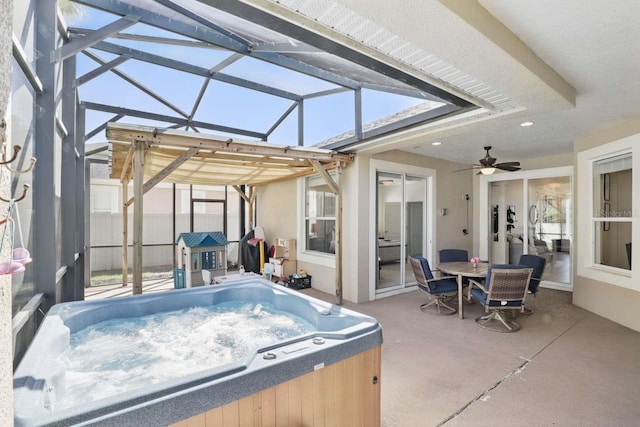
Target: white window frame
x,y
429,175
586,266
314,257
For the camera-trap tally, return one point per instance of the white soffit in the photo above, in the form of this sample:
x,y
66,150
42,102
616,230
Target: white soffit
x,y
347,26
458,46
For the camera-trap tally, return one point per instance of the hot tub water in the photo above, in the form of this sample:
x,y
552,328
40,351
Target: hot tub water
x,y
119,355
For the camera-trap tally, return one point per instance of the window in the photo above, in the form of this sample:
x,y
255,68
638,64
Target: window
x,y
209,260
606,225
319,216
612,199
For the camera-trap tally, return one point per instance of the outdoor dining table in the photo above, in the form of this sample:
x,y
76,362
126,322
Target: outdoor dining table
x,y
461,270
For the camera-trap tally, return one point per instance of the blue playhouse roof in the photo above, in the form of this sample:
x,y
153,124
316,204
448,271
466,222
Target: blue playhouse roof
x,y
211,238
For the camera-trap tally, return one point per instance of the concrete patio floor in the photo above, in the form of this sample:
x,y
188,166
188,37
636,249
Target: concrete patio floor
x,y
564,367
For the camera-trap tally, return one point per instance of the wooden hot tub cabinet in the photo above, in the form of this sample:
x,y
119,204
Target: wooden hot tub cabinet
x,y
346,393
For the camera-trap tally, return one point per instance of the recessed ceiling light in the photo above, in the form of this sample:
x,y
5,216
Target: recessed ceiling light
x,y
436,143
525,124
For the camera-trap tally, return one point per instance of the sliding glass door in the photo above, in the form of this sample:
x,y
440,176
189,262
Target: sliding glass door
x,y
401,219
529,212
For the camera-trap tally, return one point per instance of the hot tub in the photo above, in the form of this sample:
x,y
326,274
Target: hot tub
x,y
326,374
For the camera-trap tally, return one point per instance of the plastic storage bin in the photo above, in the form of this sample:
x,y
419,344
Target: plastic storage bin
x,y
178,278
303,282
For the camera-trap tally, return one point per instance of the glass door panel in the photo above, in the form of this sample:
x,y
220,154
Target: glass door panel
x,y
401,224
389,225
549,225
415,222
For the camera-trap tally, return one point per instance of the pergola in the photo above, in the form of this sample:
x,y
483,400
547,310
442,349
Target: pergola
x,y
150,155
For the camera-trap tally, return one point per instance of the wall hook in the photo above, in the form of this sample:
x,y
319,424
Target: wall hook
x,y
32,162
16,150
25,190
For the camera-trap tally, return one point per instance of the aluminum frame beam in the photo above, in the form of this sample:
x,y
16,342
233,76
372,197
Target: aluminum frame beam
x,y
121,8
169,119
137,84
79,44
192,69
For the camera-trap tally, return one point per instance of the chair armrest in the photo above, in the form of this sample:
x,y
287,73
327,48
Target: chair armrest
x,y
472,283
436,279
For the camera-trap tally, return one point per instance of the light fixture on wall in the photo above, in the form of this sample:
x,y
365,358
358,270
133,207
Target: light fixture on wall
x,y
487,171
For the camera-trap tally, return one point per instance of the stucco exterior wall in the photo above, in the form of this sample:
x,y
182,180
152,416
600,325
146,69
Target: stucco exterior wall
x,y
277,213
612,302
6,351
451,188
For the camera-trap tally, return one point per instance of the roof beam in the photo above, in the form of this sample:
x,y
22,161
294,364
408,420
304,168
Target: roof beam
x,y
418,119
102,127
297,31
100,70
221,65
281,119
136,84
326,93
186,12
170,119
21,58
167,137
153,181
193,69
169,23
284,48
91,39
207,35
153,39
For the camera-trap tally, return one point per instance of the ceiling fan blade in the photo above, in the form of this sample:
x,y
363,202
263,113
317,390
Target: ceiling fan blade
x,y
507,168
466,169
507,164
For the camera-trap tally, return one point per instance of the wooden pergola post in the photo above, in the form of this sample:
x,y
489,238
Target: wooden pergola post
x,y
209,160
138,183
125,177
125,234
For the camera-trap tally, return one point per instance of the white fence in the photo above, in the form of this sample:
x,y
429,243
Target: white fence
x,y
106,238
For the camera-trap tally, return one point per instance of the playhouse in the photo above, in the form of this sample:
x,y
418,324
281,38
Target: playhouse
x,y
202,251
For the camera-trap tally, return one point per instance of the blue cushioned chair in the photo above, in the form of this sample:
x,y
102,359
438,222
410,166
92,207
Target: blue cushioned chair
x,y
453,255
537,263
437,288
504,289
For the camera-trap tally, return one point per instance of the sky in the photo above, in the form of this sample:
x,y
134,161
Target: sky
x,y
223,104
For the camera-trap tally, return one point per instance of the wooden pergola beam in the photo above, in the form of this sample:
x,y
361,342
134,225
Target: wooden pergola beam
x,y
152,182
170,137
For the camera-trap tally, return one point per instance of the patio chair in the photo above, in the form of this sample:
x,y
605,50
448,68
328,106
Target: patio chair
x,y
453,255
437,288
505,289
537,263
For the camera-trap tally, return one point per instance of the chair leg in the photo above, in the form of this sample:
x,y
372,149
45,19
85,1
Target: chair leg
x,y
510,325
440,304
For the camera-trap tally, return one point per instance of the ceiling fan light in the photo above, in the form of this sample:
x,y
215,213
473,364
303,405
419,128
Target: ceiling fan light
x,y
487,171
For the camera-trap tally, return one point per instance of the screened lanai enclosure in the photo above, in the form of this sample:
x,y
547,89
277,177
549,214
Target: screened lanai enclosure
x,y
237,74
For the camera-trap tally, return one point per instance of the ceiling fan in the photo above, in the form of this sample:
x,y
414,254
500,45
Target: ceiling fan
x,y
488,164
